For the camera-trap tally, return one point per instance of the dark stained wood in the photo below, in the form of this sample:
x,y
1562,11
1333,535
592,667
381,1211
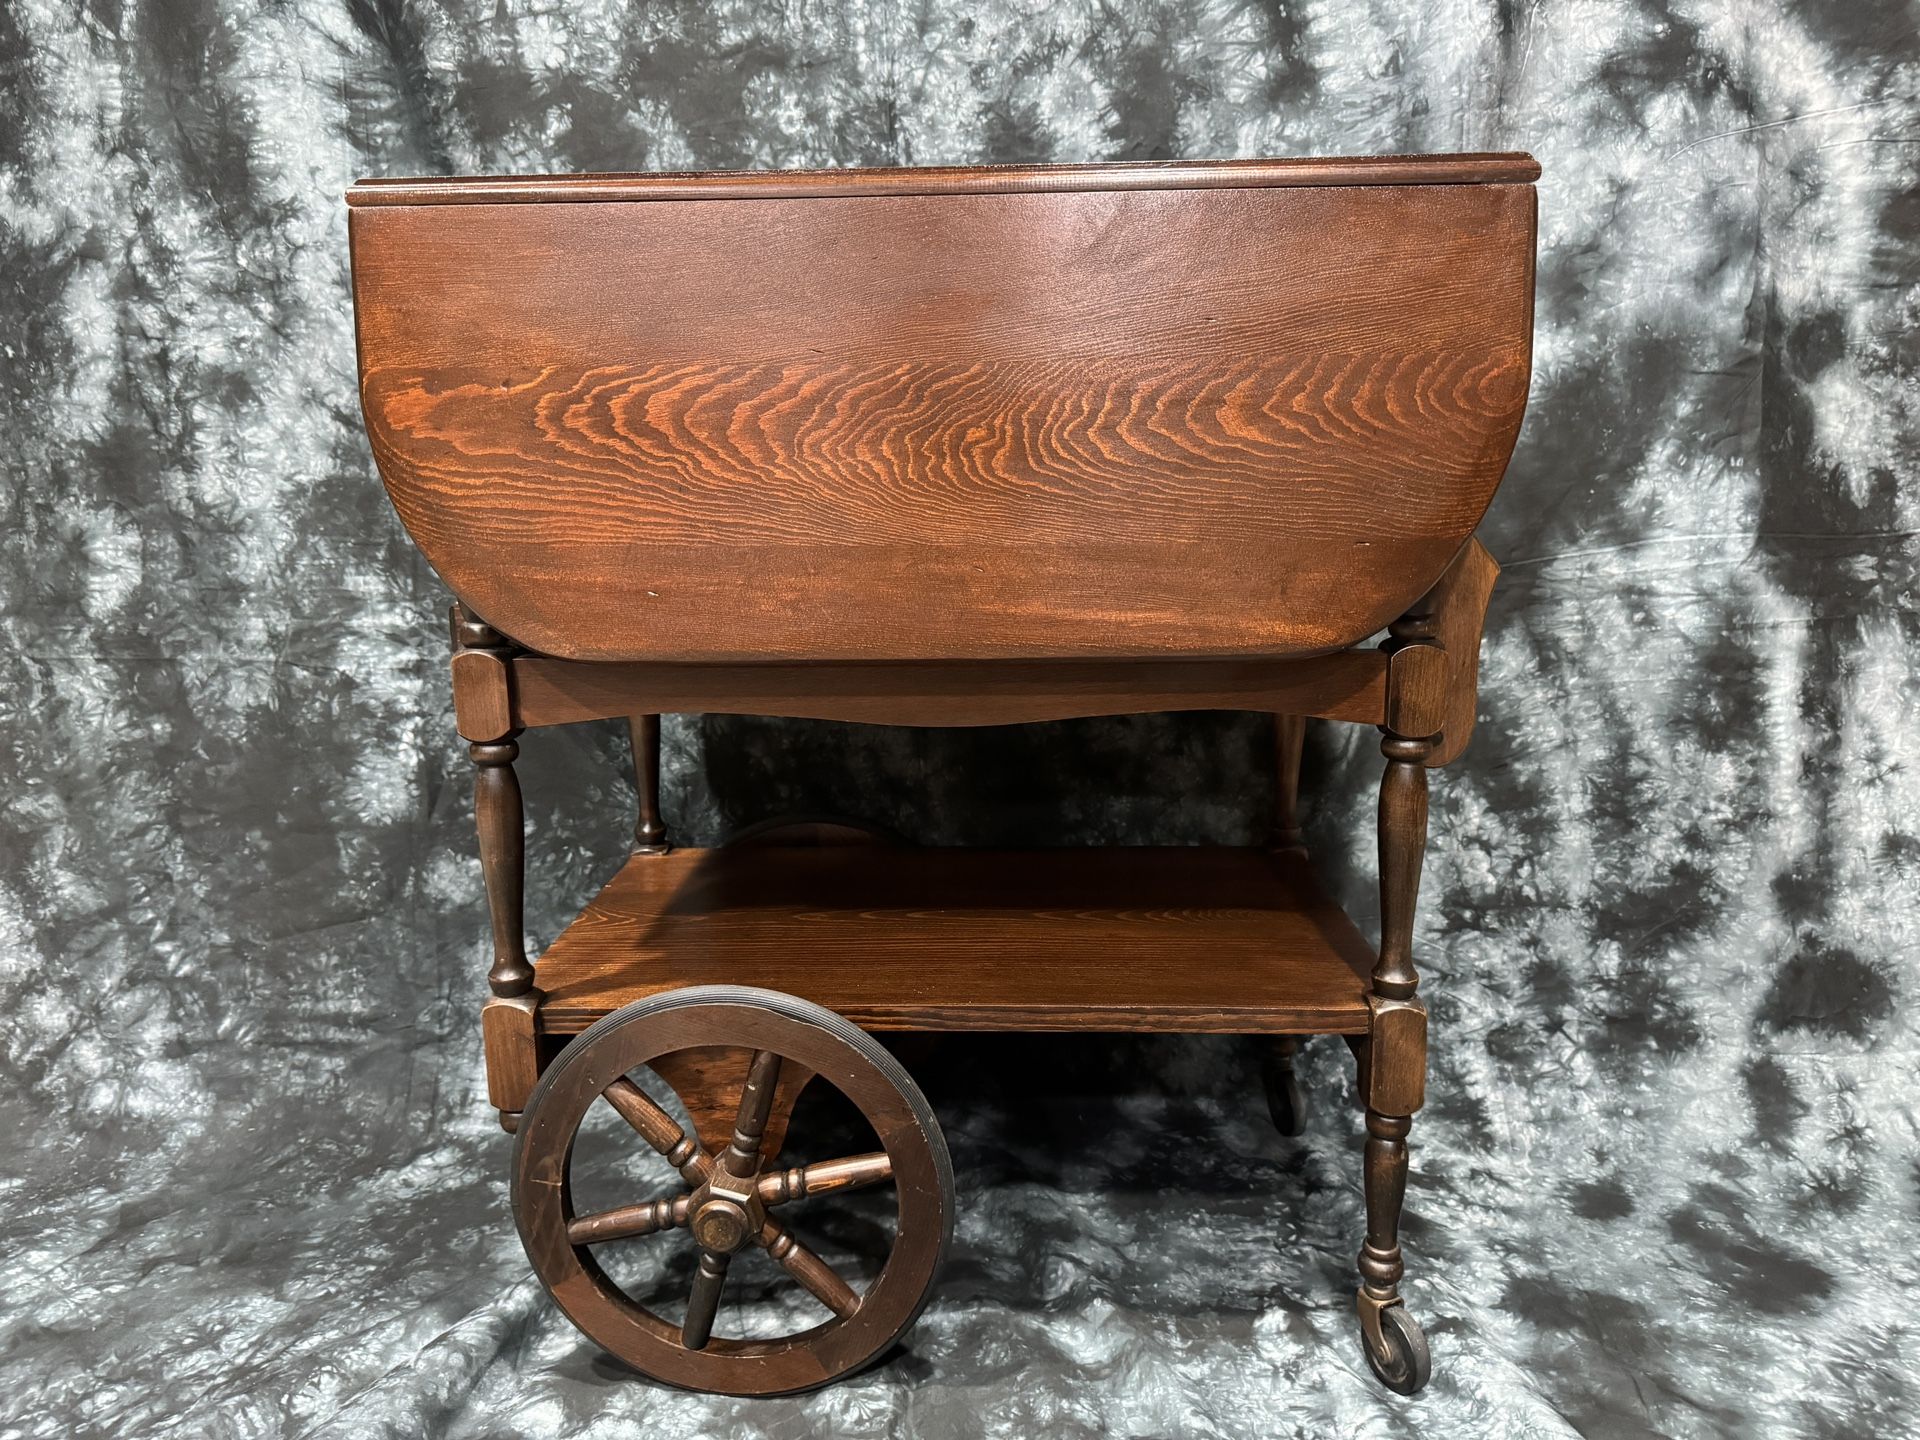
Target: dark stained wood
x,y
649,830
1419,683
1508,168
497,815
1290,737
825,1177
940,447
1386,1188
1459,608
725,1209
482,708
1394,1079
703,1301
510,1038
470,632
742,1155
629,1222
1395,1347
1403,821
1075,422
1403,837
1220,940
659,1129
816,1276
1350,685
481,657
1286,1101
1393,1062
708,1084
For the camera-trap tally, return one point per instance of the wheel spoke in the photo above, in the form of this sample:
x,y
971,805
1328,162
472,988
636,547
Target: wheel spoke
x,y
816,1277
703,1300
742,1156
660,1130
854,1172
628,1221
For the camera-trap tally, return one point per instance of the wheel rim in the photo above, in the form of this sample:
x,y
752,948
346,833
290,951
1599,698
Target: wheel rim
x,y
765,1022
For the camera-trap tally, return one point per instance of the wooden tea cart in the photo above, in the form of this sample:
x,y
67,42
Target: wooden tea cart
x,y
937,447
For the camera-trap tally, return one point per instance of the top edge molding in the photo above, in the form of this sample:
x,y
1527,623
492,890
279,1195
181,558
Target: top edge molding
x,y
1476,169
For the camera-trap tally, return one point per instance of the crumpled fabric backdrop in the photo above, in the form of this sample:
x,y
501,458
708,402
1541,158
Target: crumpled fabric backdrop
x,y
1669,1169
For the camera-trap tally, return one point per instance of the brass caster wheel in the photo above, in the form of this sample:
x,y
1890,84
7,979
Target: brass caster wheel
x,y
731,1198
1395,1345
1286,1101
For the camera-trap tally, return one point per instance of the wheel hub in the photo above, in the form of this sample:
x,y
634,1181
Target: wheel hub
x,y
726,1212
723,1225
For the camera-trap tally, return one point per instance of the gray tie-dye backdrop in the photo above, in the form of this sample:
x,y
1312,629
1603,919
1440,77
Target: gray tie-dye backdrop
x,y
1668,1180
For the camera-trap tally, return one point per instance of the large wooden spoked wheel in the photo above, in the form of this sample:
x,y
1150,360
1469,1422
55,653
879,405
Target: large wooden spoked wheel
x,y
734,1197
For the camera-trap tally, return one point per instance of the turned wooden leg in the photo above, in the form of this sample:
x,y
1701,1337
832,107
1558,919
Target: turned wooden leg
x,y
649,831
497,815
1395,1345
508,1020
1386,1187
1394,1069
483,710
1286,1101
1290,735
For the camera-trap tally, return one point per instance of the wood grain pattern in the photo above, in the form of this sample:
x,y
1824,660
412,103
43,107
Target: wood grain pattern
x,y
708,1083
1459,605
1218,940
940,447
1395,1079
482,706
1147,422
510,1042
1419,682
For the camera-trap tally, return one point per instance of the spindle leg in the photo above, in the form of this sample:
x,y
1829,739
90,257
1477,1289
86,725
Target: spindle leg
x,y
1290,735
482,658
1286,1101
498,817
649,831
1394,1069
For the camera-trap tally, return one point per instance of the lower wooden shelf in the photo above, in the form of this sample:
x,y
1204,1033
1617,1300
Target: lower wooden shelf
x,y
1177,939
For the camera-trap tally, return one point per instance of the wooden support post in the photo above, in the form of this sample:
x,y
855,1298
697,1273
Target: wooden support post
x,y
483,709
1403,840
1290,735
1286,1101
649,830
1393,1062
498,817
